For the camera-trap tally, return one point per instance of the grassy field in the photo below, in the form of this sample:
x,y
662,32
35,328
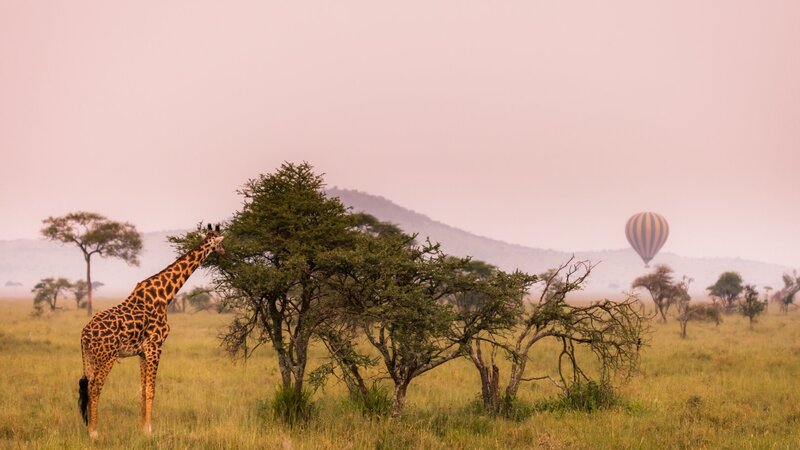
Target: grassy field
x,y
726,387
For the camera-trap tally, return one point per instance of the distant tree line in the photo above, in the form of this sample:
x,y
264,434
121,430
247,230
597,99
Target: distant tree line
x,y
199,298
729,294
49,290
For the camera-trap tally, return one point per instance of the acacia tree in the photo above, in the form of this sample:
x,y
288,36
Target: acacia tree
x,y
47,291
661,287
726,290
688,312
391,291
199,298
611,331
504,293
342,333
750,306
272,273
403,298
786,295
94,234
79,289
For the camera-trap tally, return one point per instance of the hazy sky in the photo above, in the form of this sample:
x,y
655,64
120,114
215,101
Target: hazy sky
x,y
540,123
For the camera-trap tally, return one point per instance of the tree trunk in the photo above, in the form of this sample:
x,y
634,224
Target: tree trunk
x,y
491,389
89,285
399,399
299,369
341,349
286,371
490,380
298,382
683,329
517,369
663,314
355,383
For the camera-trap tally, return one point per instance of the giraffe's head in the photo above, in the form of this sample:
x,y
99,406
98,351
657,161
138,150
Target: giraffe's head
x,y
214,238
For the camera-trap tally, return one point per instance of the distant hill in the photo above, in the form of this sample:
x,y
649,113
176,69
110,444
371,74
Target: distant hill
x,y
615,272
24,262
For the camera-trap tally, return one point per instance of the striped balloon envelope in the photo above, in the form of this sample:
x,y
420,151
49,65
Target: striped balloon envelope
x,y
647,232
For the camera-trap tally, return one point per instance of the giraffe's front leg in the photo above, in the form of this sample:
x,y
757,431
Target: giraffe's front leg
x,y
149,367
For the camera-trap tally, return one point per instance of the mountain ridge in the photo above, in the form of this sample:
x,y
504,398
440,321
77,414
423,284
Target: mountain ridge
x,y
615,271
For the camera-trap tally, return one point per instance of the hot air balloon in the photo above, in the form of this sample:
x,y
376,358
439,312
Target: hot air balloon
x,y
647,232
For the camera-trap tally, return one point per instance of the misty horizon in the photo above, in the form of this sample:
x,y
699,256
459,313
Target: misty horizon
x,y
30,260
329,191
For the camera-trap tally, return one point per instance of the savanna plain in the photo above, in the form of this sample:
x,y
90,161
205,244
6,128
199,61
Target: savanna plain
x,y
725,386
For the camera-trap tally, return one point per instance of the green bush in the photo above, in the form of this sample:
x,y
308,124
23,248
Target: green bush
x,y
514,409
377,404
510,408
292,408
589,396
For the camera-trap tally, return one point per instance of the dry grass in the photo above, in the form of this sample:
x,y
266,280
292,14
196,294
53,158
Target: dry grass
x,y
726,387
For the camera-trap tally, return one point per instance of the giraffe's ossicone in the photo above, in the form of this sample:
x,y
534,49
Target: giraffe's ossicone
x,y
136,327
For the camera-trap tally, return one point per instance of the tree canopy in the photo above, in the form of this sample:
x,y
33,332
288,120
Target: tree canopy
x,y
727,289
47,291
663,289
408,300
273,271
750,306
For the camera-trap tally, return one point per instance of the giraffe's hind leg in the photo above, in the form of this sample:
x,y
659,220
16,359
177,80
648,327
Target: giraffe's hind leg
x,y
149,368
143,389
96,380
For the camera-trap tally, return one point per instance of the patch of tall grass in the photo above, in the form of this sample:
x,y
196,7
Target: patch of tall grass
x,y
723,387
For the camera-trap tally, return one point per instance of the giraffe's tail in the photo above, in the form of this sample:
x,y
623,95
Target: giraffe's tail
x,y
83,398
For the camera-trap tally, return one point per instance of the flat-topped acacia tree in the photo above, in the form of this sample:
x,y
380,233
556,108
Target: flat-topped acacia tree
x,y
47,291
416,306
727,289
94,234
273,272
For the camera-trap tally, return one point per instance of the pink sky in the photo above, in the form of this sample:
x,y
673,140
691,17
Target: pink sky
x,y
540,123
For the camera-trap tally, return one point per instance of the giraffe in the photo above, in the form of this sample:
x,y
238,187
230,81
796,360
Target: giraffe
x,y
136,327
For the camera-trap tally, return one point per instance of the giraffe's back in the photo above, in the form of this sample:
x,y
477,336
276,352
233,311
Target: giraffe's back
x,y
116,332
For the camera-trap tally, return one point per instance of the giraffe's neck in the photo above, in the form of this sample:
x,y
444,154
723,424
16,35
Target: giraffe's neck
x,y
162,287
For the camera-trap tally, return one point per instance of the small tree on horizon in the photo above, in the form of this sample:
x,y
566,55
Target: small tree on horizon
x,y
786,295
688,312
199,298
47,291
727,290
750,306
94,234
79,289
661,287
682,303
